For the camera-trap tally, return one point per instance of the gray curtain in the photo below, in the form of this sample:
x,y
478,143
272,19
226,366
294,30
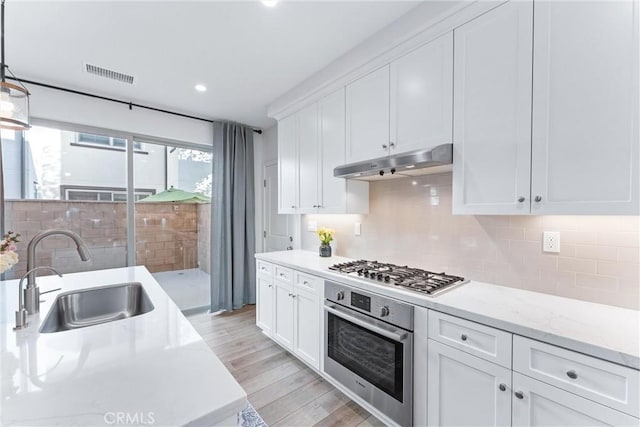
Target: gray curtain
x,y
232,218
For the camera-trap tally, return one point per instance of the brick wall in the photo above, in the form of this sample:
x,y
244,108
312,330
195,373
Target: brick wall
x,y
167,234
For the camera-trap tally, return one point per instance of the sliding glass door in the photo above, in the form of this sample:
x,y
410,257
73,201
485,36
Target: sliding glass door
x,y
172,237
134,201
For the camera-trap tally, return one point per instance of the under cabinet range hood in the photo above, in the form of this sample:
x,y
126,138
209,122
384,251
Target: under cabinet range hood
x,y
421,162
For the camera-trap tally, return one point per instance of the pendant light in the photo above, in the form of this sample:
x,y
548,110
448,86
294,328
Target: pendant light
x,y
14,98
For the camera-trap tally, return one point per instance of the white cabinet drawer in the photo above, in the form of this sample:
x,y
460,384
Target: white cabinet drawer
x,y
283,274
265,268
307,281
613,385
488,343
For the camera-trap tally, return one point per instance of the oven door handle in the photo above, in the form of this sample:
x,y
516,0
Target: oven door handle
x,y
394,334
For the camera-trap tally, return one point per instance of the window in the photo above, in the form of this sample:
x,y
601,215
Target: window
x,y
102,194
105,141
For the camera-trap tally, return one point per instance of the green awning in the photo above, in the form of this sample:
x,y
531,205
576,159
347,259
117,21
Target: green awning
x,y
174,195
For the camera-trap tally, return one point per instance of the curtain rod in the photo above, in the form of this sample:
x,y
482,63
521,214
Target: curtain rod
x,y
118,101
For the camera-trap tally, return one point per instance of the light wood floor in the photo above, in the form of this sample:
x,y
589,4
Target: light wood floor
x,y
283,390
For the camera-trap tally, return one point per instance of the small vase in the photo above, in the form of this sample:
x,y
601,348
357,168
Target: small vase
x,y
325,250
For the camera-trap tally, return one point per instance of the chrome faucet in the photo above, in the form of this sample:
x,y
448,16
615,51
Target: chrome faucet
x,y
32,293
21,312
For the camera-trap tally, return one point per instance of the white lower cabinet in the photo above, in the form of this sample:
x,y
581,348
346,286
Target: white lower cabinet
x,y
265,303
307,326
289,310
464,390
283,314
538,404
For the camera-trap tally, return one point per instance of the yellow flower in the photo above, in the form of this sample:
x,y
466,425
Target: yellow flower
x,y
325,235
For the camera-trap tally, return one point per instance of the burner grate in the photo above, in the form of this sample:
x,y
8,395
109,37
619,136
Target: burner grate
x,y
414,279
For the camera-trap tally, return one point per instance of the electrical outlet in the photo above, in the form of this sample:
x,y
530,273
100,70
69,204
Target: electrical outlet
x,y
312,226
357,229
551,242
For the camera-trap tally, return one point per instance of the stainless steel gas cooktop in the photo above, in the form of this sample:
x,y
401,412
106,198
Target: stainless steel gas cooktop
x,y
414,279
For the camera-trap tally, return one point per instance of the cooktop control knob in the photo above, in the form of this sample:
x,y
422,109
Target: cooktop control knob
x,y
384,311
340,296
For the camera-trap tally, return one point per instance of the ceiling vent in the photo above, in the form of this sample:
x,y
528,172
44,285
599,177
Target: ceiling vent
x,y
109,74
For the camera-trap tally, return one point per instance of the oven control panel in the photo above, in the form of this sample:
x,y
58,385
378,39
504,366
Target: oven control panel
x,y
378,306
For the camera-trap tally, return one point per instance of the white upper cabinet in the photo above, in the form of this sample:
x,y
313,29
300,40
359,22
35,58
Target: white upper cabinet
x,y
309,161
311,143
422,97
367,116
492,112
338,195
585,108
287,165
548,125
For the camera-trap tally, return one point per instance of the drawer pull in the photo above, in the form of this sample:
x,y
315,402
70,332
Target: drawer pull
x,y
463,337
305,283
271,286
502,387
519,394
572,374
281,274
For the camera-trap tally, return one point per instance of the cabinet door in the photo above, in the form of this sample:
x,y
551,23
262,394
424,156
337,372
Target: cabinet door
x,y
287,165
308,155
283,314
307,326
265,303
464,390
492,111
368,116
538,404
422,97
585,108
332,146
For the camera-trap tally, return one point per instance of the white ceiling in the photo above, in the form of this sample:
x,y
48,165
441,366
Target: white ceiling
x,y
245,53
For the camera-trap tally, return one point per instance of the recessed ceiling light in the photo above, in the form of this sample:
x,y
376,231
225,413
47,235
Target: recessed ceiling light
x,y
201,88
270,3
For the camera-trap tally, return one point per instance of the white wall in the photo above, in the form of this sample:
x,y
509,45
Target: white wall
x,y
60,106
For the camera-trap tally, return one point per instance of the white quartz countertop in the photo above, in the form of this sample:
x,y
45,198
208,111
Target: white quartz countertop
x,y
151,369
599,330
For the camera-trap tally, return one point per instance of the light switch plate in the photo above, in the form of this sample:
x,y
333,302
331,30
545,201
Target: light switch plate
x,y
551,242
312,226
357,229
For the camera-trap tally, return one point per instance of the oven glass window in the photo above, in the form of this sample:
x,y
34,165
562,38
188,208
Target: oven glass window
x,y
373,357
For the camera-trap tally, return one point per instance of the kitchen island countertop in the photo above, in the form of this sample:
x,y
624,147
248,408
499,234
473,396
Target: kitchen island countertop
x,y
151,369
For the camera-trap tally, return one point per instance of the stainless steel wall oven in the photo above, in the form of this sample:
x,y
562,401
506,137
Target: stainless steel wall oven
x,y
369,348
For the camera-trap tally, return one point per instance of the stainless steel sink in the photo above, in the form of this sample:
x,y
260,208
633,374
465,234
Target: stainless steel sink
x,y
93,306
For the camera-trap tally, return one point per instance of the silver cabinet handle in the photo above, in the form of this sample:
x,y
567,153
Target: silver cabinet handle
x,y
315,206
521,199
271,286
384,146
305,283
293,206
519,394
502,387
463,337
293,295
392,144
538,199
572,374
397,335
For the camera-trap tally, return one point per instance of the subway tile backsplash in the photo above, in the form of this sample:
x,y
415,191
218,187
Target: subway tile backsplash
x,y
410,222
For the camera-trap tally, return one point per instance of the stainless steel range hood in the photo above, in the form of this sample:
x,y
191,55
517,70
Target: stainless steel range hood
x,y
421,162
